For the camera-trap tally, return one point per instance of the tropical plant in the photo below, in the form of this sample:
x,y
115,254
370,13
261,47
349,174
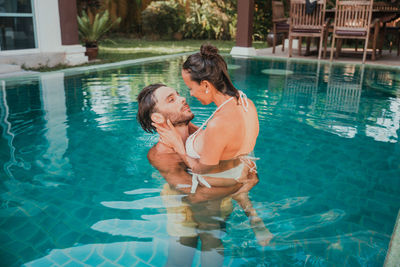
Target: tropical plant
x,y
92,29
163,18
262,23
211,20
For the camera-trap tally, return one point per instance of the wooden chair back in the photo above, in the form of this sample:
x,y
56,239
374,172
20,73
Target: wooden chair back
x,y
299,19
278,10
353,15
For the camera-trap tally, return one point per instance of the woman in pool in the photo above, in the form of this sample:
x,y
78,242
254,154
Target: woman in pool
x,y
231,131
219,154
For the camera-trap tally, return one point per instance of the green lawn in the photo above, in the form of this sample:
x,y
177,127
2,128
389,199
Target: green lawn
x,y
123,48
119,49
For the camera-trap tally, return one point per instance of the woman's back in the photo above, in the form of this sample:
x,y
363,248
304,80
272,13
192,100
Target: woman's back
x,y
235,125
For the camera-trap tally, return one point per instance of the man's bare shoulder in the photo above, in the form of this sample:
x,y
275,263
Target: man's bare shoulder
x,y
152,153
162,157
157,152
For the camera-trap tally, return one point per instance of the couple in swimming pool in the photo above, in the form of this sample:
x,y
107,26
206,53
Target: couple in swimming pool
x,y
217,156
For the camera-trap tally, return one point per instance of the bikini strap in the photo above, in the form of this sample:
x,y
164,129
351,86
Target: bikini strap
x,y
249,161
243,100
212,115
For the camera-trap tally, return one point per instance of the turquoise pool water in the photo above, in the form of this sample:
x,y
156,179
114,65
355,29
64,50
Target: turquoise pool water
x,y
76,187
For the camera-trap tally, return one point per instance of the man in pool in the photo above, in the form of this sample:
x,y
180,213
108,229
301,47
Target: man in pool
x,y
190,217
159,103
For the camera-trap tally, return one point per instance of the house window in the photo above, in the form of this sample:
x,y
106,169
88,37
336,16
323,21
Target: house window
x,y
17,27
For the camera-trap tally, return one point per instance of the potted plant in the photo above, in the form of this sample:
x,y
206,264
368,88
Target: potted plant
x,y
92,29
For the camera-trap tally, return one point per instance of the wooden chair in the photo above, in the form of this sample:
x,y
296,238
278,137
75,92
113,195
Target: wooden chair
x,y
279,23
306,25
353,21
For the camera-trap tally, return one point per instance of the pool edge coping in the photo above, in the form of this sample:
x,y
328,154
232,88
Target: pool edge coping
x,y
323,61
392,258
80,69
76,70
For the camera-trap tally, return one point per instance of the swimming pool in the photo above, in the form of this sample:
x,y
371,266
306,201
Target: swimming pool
x,y
76,186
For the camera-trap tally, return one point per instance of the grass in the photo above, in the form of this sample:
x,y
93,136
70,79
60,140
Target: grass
x,y
120,48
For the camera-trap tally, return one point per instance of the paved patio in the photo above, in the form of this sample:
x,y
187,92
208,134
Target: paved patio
x,y
12,70
348,55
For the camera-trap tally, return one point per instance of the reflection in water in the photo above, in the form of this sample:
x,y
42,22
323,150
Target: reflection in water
x,y
344,96
75,186
186,225
387,125
301,90
55,165
199,219
339,110
7,134
342,102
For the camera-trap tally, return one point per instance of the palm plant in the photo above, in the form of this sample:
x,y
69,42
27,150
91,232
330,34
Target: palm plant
x,y
92,29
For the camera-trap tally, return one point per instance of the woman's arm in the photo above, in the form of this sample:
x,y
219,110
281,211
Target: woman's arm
x,y
211,153
175,174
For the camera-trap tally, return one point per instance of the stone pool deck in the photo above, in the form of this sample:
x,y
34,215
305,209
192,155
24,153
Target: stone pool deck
x,y
12,70
347,56
393,255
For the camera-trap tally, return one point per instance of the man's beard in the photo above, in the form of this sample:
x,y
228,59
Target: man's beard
x,y
179,119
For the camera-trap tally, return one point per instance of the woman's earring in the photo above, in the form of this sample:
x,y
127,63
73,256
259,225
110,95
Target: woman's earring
x,y
206,91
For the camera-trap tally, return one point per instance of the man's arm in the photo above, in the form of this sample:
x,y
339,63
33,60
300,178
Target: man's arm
x,y
204,193
174,172
217,136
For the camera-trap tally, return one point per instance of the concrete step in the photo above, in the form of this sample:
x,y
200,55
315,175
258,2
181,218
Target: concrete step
x,y
8,68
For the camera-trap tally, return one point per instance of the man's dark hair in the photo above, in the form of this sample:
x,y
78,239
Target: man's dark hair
x,y
147,103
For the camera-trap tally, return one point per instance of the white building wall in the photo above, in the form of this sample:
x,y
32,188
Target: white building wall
x,y
49,51
48,30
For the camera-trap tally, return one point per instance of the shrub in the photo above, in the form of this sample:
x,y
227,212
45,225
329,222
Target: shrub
x,y
209,19
163,18
262,22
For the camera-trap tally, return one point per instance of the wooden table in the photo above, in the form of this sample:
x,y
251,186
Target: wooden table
x,y
384,13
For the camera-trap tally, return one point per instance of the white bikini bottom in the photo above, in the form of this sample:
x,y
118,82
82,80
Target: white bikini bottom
x,y
234,173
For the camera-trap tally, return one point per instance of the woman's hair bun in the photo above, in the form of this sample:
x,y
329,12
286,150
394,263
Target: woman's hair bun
x,y
208,51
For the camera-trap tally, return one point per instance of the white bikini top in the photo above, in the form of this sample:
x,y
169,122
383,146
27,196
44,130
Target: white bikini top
x,y
189,145
235,172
